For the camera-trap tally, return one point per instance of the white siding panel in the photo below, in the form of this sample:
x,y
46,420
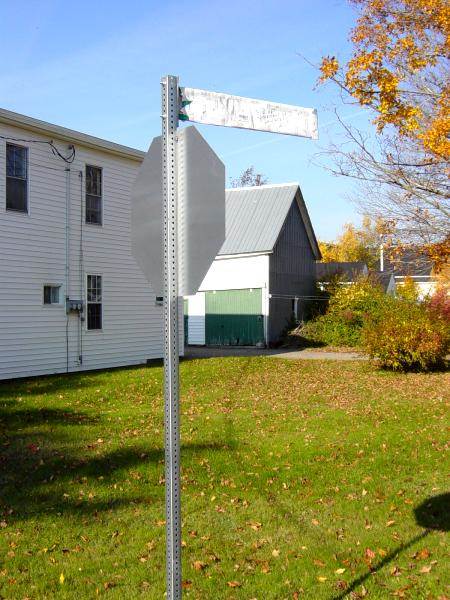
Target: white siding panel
x,y
37,339
196,319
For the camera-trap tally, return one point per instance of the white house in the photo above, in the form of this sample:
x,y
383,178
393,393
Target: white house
x,y
411,264
264,274
65,240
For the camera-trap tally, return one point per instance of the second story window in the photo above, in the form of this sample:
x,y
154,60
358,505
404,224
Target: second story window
x,y
16,178
94,209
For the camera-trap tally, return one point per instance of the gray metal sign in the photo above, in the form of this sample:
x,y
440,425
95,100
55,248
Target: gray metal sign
x,y
147,217
200,208
201,200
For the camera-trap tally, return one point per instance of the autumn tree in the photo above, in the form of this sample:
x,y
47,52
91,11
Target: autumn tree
x,y
399,69
249,178
360,244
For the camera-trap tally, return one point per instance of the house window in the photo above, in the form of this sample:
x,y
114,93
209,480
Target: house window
x,y
51,294
94,210
16,178
94,301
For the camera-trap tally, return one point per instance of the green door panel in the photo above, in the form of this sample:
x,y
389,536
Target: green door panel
x,y
234,317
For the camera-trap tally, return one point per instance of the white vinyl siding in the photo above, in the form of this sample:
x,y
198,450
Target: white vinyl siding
x,y
32,253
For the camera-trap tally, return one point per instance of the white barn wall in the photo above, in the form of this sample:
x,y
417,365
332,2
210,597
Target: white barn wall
x,y
237,272
32,253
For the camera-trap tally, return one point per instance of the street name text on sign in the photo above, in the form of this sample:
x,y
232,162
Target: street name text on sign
x,y
226,110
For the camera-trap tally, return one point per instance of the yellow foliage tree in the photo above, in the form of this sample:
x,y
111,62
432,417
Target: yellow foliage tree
x,y
359,244
399,69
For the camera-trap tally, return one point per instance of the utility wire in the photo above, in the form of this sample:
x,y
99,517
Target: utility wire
x,y
67,159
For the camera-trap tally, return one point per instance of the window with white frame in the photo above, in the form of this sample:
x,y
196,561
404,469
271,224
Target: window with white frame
x,y
16,178
51,294
94,203
94,301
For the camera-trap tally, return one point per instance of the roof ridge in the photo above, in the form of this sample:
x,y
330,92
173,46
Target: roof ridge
x,y
63,133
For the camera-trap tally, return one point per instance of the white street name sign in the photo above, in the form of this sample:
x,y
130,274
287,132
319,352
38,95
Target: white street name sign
x,y
226,110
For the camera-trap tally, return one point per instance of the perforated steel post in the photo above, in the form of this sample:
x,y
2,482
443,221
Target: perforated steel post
x,y
169,97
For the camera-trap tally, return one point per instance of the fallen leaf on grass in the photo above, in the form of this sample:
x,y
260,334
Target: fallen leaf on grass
x,y
108,585
421,554
234,584
199,565
322,579
369,554
425,569
186,584
390,523
340,571
61,578
318,563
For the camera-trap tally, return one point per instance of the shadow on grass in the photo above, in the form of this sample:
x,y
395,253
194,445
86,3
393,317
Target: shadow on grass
x,y
12,418
26,477
432,514
45,456
50,384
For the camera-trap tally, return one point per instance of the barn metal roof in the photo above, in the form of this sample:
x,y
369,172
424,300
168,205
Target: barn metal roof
x,y
255,216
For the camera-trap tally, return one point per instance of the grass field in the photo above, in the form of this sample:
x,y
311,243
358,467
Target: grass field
x,y
319,480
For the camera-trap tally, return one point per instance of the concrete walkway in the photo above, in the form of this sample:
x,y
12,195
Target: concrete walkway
x,y
289,353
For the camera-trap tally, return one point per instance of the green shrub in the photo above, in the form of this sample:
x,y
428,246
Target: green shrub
x,y
348,307
405,336
333,330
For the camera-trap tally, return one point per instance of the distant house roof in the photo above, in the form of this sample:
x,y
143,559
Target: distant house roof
x,y
346,271
383,278
255,217
409,262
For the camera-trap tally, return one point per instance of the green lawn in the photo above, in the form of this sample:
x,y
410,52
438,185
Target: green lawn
x,y
300,480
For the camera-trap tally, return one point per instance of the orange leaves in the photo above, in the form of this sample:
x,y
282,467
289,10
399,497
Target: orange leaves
x,y
328,68
400,49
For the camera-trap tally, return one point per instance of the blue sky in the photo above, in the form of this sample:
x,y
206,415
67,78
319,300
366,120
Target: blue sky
x,y
95,66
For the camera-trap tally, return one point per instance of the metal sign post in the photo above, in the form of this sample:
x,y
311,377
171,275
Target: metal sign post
x,y
192,224
169,97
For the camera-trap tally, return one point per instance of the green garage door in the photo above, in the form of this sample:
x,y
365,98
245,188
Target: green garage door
x,y
234,318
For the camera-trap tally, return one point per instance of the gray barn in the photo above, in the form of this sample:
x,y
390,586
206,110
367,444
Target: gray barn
x,y
263,274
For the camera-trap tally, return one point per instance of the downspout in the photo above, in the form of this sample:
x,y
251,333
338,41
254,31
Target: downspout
x,y
381,257
67,265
